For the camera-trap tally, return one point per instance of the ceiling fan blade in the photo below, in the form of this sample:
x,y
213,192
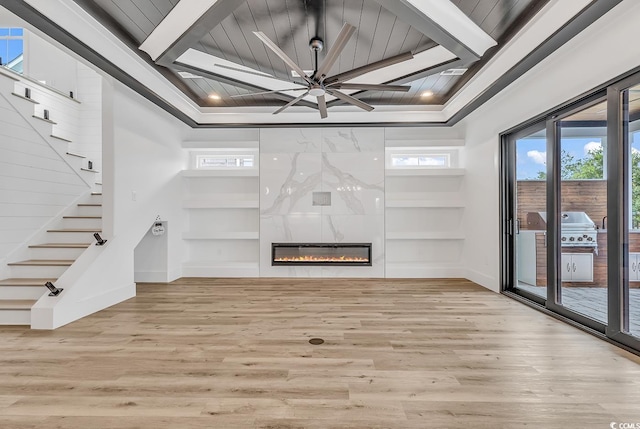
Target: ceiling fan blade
x,y
368,68
267,92
322,106
332,56
291,103
349,99
370,87
280,53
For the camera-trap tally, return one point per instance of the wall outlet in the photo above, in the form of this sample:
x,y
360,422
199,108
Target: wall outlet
x,y
134,196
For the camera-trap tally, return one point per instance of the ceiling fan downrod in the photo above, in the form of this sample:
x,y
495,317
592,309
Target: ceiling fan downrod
x,y
316,44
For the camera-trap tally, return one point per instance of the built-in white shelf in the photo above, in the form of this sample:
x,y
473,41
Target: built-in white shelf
x,y
220,204
231,172
222,235
422,235
209,268
424,269
436,172
436,204
439,143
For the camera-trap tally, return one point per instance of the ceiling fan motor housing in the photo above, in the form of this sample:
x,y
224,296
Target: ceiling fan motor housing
x,y
316,44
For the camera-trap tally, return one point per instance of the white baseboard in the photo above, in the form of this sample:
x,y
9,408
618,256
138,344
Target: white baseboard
x,y
483,280
150,277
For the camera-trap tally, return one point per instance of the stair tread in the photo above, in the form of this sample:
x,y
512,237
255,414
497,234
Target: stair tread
x,y
75,230
81,217
25,282
45,119
17,304
91,170
60,138
43,262
89,205
25,98
96,193
60,245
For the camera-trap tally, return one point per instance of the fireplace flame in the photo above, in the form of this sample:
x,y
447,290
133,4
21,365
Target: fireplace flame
x,y
311,258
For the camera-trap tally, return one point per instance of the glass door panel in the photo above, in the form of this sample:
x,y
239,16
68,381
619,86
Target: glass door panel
x,y
631,292
530,225
583,212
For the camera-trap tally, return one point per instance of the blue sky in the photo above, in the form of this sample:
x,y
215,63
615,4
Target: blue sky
x,y
531,153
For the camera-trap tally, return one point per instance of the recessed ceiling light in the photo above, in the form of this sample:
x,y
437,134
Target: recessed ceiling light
x,y
214,96
426,94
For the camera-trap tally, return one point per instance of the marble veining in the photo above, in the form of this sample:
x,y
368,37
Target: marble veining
x,y
347,136
347,185
291,190
338,236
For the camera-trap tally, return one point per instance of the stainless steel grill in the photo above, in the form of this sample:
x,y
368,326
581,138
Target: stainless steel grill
x,y
576,230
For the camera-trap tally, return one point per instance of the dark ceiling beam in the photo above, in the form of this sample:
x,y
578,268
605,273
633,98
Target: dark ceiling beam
x,y
93,9
577,24
411,15
238,83
62,36
209,20
457,63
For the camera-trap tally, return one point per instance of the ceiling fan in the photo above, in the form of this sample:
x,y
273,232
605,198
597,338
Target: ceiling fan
x,y
318,84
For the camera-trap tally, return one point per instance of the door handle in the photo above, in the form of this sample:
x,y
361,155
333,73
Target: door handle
x,y
568,267
574,267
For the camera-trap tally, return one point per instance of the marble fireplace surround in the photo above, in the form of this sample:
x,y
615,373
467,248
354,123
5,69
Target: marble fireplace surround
x,y
348,163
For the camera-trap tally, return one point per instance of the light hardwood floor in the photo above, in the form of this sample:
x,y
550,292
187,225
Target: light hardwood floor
x,y
234,353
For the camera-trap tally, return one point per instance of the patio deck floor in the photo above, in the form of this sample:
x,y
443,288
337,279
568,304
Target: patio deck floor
x,y
592,302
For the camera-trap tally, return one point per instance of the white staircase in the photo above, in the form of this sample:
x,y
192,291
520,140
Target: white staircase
x,y
47,261
50,257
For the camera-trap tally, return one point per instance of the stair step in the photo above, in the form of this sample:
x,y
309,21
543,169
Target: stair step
x,y
87,169
81,217
21,304
61,138
46,120
75,154
60,246
25,282
25,98
96,193
89,205
42,263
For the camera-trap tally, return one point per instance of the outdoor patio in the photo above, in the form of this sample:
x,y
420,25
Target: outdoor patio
x,y
592,302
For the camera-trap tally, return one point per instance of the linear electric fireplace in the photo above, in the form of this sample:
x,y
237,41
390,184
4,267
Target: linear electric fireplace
x,y
350,254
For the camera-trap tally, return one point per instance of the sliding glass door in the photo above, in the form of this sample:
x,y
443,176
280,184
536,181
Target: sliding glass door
x,y
571,211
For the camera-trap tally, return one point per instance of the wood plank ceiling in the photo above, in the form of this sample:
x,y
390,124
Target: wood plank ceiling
x,y
292,23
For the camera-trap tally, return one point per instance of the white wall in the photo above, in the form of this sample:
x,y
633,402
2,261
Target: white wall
x,y
142,161
35,182
595,56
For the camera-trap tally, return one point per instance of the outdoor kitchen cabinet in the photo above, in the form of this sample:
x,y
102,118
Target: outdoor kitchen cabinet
x,y
634,267
577,267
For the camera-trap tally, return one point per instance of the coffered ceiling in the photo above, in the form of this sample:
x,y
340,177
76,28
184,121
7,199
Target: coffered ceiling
x,y
213,62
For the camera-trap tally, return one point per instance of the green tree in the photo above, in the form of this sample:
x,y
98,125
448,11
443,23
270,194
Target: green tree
x,y
591,167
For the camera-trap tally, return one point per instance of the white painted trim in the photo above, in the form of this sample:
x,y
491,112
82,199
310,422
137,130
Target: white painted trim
x,y
175,24
150,276
70,16
455,22
552,17
483,280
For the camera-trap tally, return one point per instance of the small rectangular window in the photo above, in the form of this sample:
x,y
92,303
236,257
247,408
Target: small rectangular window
x,y
224,161
421,160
